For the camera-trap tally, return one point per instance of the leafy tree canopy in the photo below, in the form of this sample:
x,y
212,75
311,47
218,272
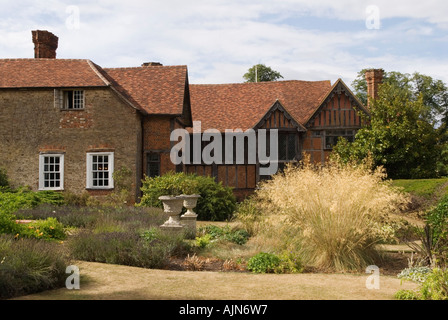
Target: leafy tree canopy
x,y
400,135
261,73
434,93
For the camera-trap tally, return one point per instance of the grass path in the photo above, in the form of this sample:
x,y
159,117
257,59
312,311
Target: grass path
x,y
103,281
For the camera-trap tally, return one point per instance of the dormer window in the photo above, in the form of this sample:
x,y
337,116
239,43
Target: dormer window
x,y
73,99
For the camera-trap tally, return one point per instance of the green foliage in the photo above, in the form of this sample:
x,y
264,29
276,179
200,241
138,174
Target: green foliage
x,y
29,265
433,286
238,236
170,184
421,187
398,137
150,234
11,202
407,295
24,198
250,215
286,262
290,262
122,193
416,274
433,92
49,229
216,203
203,241
261,73
437,218
263,262
4,182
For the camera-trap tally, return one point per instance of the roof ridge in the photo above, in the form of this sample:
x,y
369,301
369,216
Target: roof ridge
x,y
40,59
258,83
144,68
95,67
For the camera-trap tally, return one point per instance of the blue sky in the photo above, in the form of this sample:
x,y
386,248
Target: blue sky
x,y
220,40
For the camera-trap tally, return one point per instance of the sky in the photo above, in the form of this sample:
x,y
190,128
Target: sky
x,y
220,40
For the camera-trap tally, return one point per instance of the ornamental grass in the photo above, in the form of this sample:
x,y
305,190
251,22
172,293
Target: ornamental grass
x,y
330,215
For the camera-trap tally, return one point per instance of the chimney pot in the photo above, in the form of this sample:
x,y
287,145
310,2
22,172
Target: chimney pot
x,y
151,64
45,44
374,78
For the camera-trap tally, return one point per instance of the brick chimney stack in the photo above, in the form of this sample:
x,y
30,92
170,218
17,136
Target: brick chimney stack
x,y
374,78
45,44
151,64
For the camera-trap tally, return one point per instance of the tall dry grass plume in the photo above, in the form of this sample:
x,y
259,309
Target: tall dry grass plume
x,y
328,214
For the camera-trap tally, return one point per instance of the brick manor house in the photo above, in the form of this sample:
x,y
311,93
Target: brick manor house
x,y
67,124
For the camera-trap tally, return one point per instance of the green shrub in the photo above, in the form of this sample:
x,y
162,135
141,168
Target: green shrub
x,y
4,182
48,229
417,274
286,262
24,198
435,286
264,262
407,295
29,265
203,241
290,262
217,202
238,236
437,218
8,224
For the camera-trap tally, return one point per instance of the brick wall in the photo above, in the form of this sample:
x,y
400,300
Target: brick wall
x,y
30,122
156,132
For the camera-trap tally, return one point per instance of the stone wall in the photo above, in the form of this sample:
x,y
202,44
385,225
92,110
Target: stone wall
x,y
31,122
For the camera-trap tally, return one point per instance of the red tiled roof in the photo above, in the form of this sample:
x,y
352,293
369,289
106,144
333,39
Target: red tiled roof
x,y
48,73
155,89
242,105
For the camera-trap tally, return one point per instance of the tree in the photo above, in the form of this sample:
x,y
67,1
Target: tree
x,y
399,135
434,92
261,73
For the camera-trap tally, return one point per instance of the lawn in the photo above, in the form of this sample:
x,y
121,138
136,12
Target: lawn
x,y
426,188
115,282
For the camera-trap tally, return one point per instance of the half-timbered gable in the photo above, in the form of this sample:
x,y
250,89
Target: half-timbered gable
x,y
340,114
280,105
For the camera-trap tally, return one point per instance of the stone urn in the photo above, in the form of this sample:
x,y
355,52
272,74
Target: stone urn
x,y
190,202
189,218
172,206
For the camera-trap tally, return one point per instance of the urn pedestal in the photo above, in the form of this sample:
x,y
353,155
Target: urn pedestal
x,y
189,218
172,206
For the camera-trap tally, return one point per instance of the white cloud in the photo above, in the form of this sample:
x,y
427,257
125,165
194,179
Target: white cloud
x,y
220,40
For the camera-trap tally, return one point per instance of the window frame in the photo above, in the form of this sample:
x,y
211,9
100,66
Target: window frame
x,y
149,161
287,135
66,98
89,170
42,171
328,133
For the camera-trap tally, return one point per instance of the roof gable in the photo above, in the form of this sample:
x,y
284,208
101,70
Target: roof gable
x,y
339,87
278,118
154,89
